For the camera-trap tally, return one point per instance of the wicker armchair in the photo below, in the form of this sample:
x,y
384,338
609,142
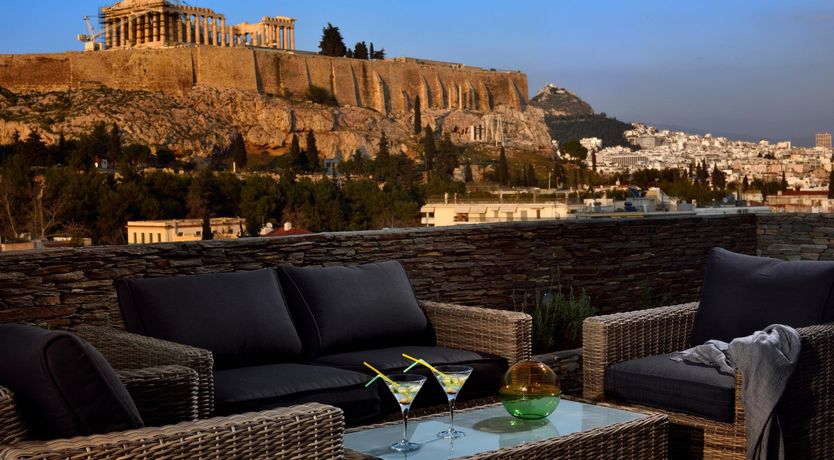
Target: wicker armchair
x,y
504,333
806,409
168,394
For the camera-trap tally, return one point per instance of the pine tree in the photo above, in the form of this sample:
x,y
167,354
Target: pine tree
x,y
332,43
360,51
312,152
503,170
418,117
380,55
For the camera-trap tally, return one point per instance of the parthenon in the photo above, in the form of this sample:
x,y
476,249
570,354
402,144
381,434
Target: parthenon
x,y
160,23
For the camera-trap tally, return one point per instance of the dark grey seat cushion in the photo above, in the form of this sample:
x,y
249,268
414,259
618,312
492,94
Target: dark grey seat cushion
x,y
485,380
341,309
241,317
265,387
743,294
657,381
63,386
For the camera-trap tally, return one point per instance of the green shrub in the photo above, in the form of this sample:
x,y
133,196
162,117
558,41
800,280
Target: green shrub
x,y
557,318
319,95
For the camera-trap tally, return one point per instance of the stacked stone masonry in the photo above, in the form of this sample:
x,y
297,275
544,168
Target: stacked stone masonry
x,y
158,23
796,236
617,262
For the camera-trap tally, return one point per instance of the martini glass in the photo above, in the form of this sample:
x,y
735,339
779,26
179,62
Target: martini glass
x,y
405,387
451,378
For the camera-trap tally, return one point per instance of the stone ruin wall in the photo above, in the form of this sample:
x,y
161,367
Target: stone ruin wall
x,y
386,86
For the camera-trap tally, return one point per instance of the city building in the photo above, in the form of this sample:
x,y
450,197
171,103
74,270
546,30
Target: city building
x,y
446,214
161,23
823,140
177,230
812,201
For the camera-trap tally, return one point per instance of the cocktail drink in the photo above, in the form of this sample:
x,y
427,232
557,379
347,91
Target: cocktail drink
x,y
405,387
451,378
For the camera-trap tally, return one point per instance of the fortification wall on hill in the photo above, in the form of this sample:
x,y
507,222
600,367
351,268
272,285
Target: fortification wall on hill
x,y
386,86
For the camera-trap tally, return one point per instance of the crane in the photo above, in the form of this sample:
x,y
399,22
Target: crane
x,y
90,39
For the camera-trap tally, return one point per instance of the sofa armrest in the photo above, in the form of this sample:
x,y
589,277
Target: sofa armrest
x,y
313,431
504,333
621,337
164,395
807,404
12,428
125,351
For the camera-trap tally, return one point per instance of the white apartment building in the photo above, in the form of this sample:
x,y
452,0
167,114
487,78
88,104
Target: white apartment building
x,y
178,230
446,214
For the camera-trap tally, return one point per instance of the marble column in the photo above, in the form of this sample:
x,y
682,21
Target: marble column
x,y
292,38
205,30
224,39
214,31
130,35
148,31
166,35
284,37
120,40
178,24
189,34
108,35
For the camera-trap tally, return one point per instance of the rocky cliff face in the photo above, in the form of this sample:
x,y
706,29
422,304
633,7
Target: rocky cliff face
x,y
206,119
559,101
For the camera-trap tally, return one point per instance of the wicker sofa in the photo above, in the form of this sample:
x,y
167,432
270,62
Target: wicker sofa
x,y
620,341
166,397
445,333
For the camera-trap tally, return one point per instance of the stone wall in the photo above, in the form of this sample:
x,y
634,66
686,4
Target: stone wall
x,y
796,236
623,264
386,86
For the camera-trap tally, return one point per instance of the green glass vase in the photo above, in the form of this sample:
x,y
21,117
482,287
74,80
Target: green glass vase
x,y
530,390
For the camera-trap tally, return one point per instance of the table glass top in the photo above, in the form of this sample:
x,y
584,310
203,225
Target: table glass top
x,y
486,429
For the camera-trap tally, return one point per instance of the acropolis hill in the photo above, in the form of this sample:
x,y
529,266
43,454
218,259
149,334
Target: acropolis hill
x,y
181,52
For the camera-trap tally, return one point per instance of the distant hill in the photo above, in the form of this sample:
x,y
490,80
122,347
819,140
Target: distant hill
x,y
575,127
560,102
568,117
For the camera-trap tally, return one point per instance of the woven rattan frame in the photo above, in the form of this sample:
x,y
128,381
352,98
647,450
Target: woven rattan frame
x,y
504,333
131,351
309,431
644,438
806,409
163,395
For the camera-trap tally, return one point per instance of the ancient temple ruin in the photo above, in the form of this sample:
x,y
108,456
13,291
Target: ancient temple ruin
x,y
162,23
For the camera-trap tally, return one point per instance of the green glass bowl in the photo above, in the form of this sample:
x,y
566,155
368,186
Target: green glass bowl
x,y
530,390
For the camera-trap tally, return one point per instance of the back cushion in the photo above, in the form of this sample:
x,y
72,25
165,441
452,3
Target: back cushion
x,y
241,318
743,294
341,309
63,386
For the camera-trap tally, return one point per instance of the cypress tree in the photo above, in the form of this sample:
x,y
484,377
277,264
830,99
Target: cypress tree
x,y
312,152
238,151
418,117
371,52
831,184
503,170
295,150
429,149
467,173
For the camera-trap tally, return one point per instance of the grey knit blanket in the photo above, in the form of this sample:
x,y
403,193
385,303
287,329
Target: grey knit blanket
x,y
766,361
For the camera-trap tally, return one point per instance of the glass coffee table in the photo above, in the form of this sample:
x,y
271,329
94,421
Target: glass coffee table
x,y
574,430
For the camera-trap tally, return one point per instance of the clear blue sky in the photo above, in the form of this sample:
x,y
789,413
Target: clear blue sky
x,y
761,68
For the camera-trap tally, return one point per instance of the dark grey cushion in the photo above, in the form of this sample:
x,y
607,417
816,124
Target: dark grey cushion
x,y
485,380
260,388
63,386
341,309
657,381
241,318
743,294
